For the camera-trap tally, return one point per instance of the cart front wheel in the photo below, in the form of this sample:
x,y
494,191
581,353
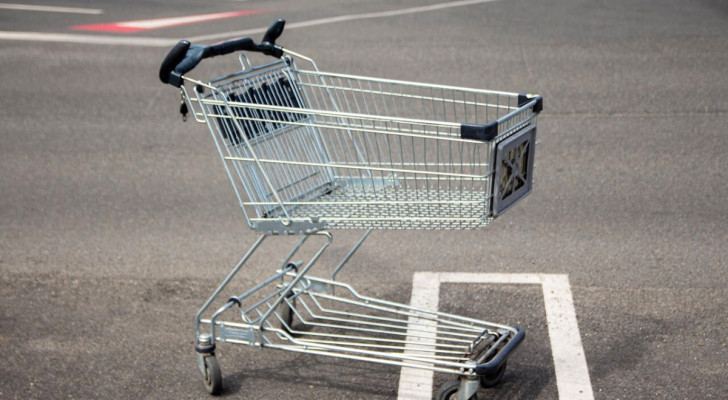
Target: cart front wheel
x,y
213,376
490,380
286,313
449,390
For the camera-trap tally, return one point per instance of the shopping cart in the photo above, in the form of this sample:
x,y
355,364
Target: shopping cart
x,y
308,152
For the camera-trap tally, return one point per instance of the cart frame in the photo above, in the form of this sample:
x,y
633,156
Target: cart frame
x,y
309,151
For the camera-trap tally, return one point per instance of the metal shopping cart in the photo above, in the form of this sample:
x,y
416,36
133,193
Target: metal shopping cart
x,y
308,152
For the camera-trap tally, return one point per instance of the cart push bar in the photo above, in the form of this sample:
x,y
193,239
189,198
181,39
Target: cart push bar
x,y
184,56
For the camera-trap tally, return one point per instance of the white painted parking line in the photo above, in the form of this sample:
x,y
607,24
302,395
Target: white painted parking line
x,y
87,39
417,383
344,18
162,42
30,7
572,373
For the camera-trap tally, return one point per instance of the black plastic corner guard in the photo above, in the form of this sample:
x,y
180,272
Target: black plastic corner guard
x,y
526,98
492,366
482,132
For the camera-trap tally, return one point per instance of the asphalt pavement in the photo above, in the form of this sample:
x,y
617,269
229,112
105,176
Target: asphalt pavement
x,y
117,220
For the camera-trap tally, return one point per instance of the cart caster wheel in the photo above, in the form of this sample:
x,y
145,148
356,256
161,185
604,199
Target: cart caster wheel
x,y
213,376
286,313
488,381
449,390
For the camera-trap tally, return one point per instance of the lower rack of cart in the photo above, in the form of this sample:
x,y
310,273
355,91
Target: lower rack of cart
x,y
294,312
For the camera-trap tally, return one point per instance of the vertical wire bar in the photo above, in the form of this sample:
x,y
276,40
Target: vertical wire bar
x,y
221,287
284,175
350,253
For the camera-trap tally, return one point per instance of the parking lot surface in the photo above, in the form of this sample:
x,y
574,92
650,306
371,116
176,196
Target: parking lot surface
x,y
117,220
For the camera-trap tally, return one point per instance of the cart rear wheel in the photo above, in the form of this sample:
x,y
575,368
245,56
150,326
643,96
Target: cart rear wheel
x,y
213,376
286,313
490,380
448,391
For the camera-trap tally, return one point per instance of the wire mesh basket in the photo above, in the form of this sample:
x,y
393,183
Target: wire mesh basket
x,y
341,151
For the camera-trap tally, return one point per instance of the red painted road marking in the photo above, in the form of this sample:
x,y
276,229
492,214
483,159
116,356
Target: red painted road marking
x,y
148,24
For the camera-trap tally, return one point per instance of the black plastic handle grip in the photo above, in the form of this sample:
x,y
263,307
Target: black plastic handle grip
x,y
274,31
219,49
184,57
173,58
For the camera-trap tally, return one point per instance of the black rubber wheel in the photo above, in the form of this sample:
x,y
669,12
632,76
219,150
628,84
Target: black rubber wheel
x,y
449,390
286,313
490,380
213,376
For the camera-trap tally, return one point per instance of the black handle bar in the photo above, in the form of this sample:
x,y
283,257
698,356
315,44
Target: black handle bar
x,y
184,57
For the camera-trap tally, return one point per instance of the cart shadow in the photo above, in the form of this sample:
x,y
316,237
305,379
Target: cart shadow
x,y
523,382
316,374
626,350
312,374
